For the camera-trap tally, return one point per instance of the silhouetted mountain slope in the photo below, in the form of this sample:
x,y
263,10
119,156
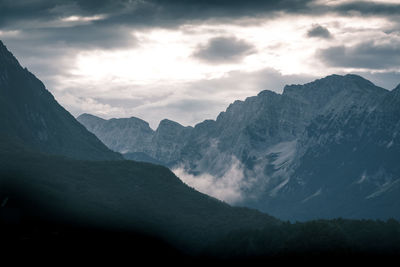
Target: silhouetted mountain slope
x,y
333,241
120,196
141,157
141,211
302,153
108,209
31,115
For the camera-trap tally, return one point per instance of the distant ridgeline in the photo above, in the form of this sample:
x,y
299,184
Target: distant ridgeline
x,y
326,149
62,192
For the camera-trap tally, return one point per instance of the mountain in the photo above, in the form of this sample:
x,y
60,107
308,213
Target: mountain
x,y
134,138
30,116
57,208
125,134
58,204
300,154
59,182
119,195
350,159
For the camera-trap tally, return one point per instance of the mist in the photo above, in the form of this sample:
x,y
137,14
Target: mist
x,y
228,187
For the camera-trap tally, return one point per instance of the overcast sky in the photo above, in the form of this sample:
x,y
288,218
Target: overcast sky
x,y
187,60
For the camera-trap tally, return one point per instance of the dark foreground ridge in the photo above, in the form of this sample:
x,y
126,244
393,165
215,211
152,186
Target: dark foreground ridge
x,y
58,208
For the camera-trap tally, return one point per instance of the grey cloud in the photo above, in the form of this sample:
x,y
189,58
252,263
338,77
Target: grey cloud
x,y
86,36
40,23
142,12
167,13
51,52
49,9
368,8
14,11
42,16
89,36
192,104
47,61
239,84
367,55
121,102
319,31
224,50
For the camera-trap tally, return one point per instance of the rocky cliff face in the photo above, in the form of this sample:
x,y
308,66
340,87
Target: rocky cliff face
x,y
134,137
347,164
168,141
122,135
327,148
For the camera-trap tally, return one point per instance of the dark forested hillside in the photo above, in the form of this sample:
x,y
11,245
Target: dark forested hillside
x,y
320,241
120,195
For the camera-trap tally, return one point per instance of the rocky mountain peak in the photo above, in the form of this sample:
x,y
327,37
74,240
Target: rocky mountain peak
x,y
166,123
131,122
90,116
267,93
89,119
335,92
168,129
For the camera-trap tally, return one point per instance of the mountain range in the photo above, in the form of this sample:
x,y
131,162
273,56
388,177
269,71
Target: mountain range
x,y
63,193
53,170
325,149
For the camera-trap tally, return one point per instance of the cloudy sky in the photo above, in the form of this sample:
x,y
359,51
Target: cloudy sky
x,y
187,60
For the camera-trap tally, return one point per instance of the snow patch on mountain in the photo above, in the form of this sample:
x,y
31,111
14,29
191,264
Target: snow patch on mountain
x,y
362,178
383,188
317,193
390,144
282,155
285,152
274,192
